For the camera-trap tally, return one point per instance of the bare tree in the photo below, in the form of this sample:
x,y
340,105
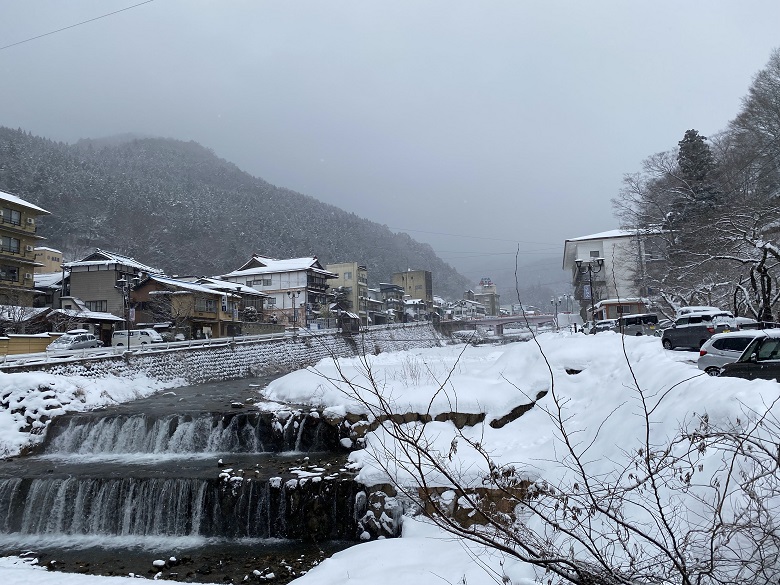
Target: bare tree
x,y
695,508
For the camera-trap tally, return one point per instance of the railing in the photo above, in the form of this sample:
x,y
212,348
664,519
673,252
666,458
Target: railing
x,y
59,356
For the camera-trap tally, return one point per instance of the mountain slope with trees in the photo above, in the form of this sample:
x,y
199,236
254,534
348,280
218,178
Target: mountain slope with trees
x,y
177,206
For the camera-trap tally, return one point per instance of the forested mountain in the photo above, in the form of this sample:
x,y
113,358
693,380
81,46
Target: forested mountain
x,y
177,206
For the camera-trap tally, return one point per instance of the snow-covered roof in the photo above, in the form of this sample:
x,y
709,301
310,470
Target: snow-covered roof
x,y
9,198
87,315
236,287
103,258
621,301
48,249
184,285
262,265
48,279
604,235
17,313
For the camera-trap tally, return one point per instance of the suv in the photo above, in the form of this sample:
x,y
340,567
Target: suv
x,y
693,329
761,358
724,348
639,324
74,339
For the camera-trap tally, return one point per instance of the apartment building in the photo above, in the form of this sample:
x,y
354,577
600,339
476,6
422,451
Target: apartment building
x,y
17,243
352,278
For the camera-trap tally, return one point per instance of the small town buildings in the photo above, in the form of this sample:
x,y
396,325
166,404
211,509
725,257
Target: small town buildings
x,y
18,238
392,295
207,308
415,310
352,278
487,296
377,314
296,287
50,260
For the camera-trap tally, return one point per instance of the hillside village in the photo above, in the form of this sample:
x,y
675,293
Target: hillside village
x,y
105,291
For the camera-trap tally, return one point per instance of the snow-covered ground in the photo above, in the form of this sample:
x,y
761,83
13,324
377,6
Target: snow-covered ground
x,y
29,399
591,377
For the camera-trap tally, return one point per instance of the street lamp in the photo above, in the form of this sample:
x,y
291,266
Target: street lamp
x,y
293,296
123,284
587,267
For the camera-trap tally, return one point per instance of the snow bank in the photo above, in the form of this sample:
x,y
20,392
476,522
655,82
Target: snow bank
x,y
29,400
593,378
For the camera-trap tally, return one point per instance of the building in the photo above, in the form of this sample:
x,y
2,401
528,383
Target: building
x,y
49,258
602,266
296,287
205,308
392,295
352,278
487,296
102,282
17,255
616,308
418,284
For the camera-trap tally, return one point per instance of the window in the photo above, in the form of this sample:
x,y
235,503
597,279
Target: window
x,y
205,305
348,275
623,309
97,306
270,301
9,273
10,216
595,254
266,282
8,244
769,350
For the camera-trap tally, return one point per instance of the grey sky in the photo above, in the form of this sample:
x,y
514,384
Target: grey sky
x,y
507,120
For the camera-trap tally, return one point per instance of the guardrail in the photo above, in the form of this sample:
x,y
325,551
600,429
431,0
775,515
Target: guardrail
x,y
56,356
61,356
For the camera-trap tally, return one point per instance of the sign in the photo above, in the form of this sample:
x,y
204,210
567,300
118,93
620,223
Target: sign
x,y
586,292
235,314
132,314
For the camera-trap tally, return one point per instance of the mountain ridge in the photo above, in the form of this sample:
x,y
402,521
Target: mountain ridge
x,y
176,205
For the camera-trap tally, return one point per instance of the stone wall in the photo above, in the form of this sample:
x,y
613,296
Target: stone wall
x,y
197,365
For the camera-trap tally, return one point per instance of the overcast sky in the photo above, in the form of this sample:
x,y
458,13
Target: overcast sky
x,y
508,122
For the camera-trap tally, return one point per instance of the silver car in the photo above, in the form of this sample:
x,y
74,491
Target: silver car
x,y
725,348
74,339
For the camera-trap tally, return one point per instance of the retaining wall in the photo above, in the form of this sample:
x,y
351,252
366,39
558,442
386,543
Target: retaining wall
x,y
197,365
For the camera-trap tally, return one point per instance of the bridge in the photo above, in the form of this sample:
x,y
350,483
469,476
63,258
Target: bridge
x,y
497,323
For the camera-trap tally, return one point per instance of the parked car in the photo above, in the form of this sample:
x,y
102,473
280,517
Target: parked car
x,y
639,324
135,337
760,360
724,348
693,329
604,325
74,339
696,309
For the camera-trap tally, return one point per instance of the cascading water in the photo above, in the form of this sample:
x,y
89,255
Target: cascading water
x,y
119,474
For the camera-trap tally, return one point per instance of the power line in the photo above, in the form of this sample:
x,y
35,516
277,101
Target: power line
x,y
473,237
75,25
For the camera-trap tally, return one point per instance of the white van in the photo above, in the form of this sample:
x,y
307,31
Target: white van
x,y
136,337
